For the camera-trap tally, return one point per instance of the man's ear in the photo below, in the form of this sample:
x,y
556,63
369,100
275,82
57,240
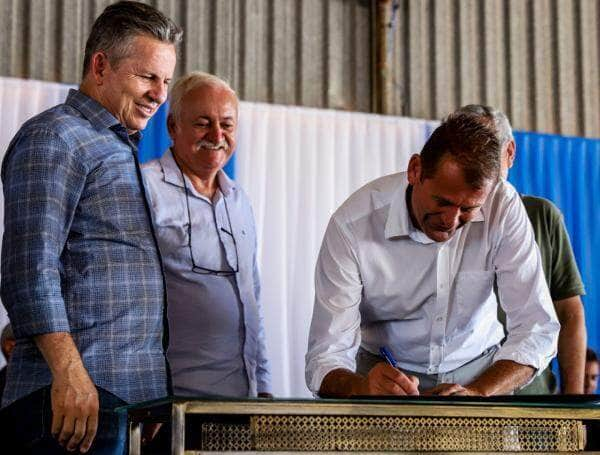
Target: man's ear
x,y
414,169
99,65
511,150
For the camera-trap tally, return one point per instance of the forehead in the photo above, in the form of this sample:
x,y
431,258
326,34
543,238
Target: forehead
x,y
449,183
150,54
210,101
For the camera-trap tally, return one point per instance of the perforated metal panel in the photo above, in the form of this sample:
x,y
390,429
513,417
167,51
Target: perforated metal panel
x,y
370,433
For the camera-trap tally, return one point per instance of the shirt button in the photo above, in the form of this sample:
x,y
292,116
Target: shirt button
x,y
439,319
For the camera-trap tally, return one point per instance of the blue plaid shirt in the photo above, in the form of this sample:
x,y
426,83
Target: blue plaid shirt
x,y
78,253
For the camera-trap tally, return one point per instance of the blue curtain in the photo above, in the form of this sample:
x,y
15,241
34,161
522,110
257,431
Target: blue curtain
x,y
566,170
155,140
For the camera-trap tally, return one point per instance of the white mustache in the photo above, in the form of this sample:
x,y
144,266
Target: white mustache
x,y
212,146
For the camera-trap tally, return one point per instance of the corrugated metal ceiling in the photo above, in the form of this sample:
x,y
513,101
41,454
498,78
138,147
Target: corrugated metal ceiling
x,y
538,60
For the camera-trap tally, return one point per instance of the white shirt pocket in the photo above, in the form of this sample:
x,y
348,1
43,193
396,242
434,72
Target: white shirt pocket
x,y
472,291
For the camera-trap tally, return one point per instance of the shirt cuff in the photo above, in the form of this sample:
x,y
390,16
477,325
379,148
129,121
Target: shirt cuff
x,y
30,320
536,361
264,386
314,379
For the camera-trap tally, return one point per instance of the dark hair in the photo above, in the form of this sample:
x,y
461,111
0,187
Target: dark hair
x,y
119,23
490,114
470,143
590,355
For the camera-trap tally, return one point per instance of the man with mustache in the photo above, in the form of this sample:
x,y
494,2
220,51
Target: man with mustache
x,y
206,234
81,272
408,263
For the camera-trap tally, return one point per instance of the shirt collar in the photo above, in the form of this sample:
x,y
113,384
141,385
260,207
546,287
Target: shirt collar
x,y
92,110
172,175
399,224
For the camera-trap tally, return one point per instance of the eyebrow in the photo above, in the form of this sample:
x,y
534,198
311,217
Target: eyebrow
x,y
448,202
148,72
208,117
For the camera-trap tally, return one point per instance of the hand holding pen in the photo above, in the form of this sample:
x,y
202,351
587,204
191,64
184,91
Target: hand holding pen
x,y
388,379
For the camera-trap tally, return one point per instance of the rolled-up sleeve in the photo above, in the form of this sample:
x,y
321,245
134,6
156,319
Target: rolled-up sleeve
x,y
42,184
334,336
532,325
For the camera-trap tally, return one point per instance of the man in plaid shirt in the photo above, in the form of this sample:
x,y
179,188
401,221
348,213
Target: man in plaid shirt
x,y
81,274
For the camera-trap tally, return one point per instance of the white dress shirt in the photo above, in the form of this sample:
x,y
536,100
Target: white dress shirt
x,y
381,282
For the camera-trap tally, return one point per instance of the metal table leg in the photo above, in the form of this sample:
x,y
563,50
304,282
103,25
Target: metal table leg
x,y
135,438
178,435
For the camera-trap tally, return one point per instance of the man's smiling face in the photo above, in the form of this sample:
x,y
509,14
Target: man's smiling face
x,y
204,132
135,86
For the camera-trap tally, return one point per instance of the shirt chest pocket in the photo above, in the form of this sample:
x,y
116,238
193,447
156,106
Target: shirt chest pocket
x,y
171,223
171,236
472,290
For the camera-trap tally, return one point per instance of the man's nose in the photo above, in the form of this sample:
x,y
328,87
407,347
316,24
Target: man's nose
x,y
215,135
159,92
451,217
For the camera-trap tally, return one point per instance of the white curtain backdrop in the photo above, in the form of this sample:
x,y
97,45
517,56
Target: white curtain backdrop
x,y
297,165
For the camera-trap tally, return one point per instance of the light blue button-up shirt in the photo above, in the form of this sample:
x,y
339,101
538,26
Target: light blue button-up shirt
x,y
216,334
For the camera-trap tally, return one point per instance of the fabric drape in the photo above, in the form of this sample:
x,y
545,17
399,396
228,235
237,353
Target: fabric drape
x,y
298,164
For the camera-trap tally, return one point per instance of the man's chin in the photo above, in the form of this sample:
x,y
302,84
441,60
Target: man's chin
x,y
440,236
138,124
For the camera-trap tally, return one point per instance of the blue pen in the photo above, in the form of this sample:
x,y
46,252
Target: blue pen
x,y
387,354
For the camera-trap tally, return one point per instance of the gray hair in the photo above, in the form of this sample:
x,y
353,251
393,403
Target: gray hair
x,y
189,82
500,122
114,30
